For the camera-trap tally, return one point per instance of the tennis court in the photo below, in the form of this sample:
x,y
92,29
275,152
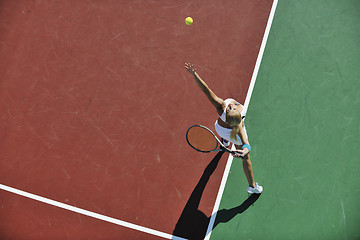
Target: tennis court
x,y
95,104
303,123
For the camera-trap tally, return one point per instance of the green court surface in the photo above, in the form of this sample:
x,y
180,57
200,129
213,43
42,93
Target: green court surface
x,y
303,124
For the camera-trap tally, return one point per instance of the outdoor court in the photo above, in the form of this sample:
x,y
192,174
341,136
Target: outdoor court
x,y
95,103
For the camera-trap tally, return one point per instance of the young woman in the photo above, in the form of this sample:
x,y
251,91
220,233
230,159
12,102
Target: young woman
x,y
230,127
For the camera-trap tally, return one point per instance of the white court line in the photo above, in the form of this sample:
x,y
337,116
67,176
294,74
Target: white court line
x,y
90,214
246,105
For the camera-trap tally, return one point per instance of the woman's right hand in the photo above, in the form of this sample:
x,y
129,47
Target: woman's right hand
x,y
190,68
240,153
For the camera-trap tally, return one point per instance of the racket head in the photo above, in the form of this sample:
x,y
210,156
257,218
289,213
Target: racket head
x,y
202,139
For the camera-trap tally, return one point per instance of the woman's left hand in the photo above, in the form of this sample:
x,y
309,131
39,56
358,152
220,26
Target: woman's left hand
x,y
190,68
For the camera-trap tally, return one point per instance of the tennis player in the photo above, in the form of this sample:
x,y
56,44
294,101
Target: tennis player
x,y
230,127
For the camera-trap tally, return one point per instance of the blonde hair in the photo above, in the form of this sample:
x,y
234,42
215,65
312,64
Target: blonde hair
x,y
234,132
233,120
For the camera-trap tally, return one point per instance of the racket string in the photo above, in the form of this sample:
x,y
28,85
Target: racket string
x,y
201,139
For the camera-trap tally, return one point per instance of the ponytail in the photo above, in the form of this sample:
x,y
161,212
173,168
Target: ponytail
x,y
234,120
234,132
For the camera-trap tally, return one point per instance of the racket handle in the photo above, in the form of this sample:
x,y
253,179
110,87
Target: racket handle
x,y
228,150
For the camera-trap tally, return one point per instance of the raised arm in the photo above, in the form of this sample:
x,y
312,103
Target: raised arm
x,y
215,100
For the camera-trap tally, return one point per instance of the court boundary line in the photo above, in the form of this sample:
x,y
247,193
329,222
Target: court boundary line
x,y
246,105
89,213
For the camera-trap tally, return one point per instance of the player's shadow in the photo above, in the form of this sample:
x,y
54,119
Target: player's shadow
x,y
193,223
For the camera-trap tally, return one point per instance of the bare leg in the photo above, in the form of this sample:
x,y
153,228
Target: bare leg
x,y
248,170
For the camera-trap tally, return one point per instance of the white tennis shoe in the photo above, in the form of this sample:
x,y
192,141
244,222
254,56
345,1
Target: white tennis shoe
x,y
257,189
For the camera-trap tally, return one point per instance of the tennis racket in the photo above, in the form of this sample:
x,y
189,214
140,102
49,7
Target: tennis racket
x,y
202,139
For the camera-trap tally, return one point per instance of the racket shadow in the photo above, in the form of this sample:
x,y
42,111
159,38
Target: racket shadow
x,y
193,223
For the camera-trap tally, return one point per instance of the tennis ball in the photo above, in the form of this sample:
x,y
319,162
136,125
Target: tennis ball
x,y
189,21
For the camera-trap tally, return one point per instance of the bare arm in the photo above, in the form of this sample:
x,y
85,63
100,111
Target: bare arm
x,y
215,100
242,134
244,139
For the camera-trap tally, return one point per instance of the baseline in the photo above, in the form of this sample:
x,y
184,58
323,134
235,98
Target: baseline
x,y
89,213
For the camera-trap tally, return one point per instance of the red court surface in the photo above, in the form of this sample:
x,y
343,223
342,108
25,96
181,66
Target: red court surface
x,y
95,102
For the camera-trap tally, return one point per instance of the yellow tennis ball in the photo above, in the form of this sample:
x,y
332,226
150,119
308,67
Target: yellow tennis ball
x,y
189,21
